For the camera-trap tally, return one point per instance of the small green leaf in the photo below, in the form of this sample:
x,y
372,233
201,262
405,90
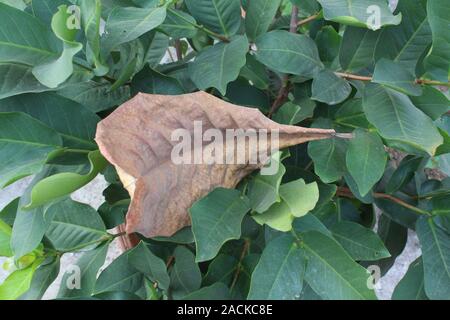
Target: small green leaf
x,y
366,159
185,276
411,287
361,243
221,16
62,184
216,219
329,88
364,13
279,273
178,24
331,272
286,52
392,75
432,102
18,282
259,16
396,118
43,277
219,65
5,239
435,244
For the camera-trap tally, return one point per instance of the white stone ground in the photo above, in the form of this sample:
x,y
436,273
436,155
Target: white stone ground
x,y
92,195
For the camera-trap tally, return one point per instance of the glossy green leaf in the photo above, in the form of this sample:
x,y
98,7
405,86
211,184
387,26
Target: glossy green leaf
x,y
410,39
185,276
437,62
366,159
432,102
263,189
396,118
24,152
259,16
120,275
216,219
5,239
331,272
279,273
329,88
286,52
392,75
62,184
351,114
151,81
219,65
55,72
125,24
255,72
361,243
18,282
357,48
43,277
153,267
435,244
221,16
75,123
178,24
411,287
372,14
89,264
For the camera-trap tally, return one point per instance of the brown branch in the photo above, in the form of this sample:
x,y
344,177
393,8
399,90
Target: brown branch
x,y
284,90
239,267
308,20
345,192
178,50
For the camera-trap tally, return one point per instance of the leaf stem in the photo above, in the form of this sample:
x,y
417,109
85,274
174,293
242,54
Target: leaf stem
x,y
200,27
308,19
245,248
368,78
345,192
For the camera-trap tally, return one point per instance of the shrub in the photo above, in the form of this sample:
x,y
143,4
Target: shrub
x,y
306,232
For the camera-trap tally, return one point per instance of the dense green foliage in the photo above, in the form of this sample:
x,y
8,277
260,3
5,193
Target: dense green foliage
x,y
305,232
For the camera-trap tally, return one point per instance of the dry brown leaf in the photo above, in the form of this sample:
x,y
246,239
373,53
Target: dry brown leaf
x,y
136,139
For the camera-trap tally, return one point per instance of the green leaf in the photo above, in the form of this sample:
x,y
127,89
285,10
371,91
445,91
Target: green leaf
x,y
286,52
357,48
411,287
97,96
219,65
75,226
331,272
329,88
90,13
361,243
42,279
217,291
297,199
157,44
255,72
398,213
435,244
18,4
396,118
263,189
24,152
89,264
366,159
221,269
216,219
259,17
151,81
394,76
328,42
75,123
126,24
409,40
221,16
62,184
279,273
437,62
432,102
5,239
360,14
150,265
35,43
120,275
403,173
55,72
178,24
328,155
18,282
351,114
291,113
185,276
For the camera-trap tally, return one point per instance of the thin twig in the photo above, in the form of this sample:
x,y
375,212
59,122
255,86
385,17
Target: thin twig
x,y
178,50
368,78
307,20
